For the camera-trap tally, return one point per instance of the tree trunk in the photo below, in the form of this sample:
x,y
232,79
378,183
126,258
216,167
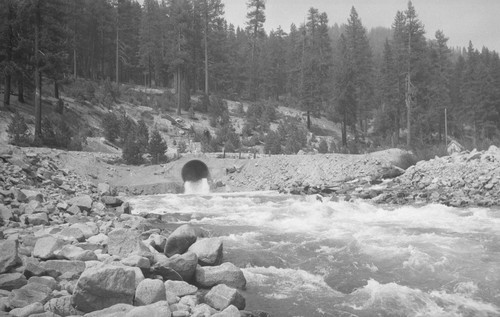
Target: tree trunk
x,y
6,93
38,84
308,120
206,48
20,90
179,90
56,89
344,129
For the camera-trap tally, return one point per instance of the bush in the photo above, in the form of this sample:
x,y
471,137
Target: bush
x,y
157,148
293,134
111,126
18,131
131,152
142,136
272,143
56,132
323,147
182,147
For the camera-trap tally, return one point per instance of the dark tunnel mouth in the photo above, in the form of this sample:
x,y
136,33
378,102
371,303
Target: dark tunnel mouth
x,y
194,170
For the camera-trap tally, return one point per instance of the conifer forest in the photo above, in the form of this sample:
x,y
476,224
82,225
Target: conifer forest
x,y
394,83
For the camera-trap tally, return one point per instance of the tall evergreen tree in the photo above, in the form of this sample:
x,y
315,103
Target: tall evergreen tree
x,y
255,27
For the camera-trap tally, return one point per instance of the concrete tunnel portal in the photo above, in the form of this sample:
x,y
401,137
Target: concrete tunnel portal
x,y
194,171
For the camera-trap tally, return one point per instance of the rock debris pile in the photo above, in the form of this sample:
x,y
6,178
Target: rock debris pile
x,y
462,179
69,247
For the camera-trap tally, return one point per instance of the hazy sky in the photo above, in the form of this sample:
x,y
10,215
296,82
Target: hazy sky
x,y
460,20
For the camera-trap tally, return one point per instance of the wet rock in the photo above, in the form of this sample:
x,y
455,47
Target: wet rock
x,y
184,265
28,310
29,294
222,296
181,239
102,287
149,291
46,246
11,281
124,242
9,257
180,288
226,273
61,306
84,202
208,250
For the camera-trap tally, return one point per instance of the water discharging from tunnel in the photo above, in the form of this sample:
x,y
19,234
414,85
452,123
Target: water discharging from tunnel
x,y
303,257
199,187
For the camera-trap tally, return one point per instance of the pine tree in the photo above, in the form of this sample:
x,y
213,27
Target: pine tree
x,y
255,28
157,147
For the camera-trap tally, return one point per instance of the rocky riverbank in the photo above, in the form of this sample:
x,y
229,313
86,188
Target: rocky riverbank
x,y
70,247
462,179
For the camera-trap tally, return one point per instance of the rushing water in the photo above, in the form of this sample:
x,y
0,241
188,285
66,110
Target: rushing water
x,y
304,257
199,187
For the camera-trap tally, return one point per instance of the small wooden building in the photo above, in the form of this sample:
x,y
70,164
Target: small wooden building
x,y
454,147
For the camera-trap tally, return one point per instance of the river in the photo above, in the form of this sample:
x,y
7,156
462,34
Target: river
x,y
305,257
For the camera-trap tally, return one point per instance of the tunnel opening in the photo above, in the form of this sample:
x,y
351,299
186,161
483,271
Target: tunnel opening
x,y
194,171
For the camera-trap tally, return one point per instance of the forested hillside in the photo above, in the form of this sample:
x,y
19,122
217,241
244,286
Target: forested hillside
x,y
388,86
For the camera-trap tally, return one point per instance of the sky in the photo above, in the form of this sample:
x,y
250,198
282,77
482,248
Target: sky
x,y
460,20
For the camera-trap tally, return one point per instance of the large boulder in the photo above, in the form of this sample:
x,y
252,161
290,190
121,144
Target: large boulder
x,y
11,281
184,264
209,251
29,294
102,287
180,288
158,309
9,257
181,239
61,306
72,252
65,269
149,291
46,246
230,311
117,310
88,229
222,296
84,202
71,234
124,242
226,273
29,310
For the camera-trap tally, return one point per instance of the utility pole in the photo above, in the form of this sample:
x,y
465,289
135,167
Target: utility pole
x,y
117,42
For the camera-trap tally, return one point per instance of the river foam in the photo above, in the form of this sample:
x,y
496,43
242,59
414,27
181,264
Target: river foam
x,y
313,258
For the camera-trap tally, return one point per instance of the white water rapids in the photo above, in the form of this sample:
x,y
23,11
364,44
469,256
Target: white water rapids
x,y
303,257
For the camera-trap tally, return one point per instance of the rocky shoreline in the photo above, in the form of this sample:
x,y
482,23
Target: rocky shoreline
x,y
72,248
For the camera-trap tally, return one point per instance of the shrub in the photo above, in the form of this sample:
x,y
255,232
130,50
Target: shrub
x,y
323,147
293,134
142,135
111,126
56,132
272,143
182,147
157,147
18,131
131,152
